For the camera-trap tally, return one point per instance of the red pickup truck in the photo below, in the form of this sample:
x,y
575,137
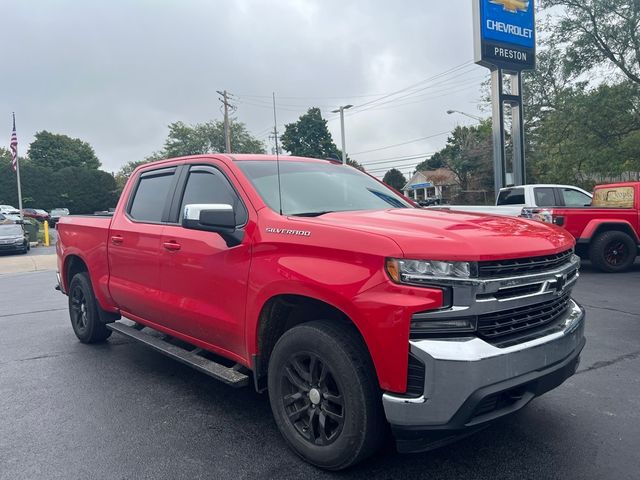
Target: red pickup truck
x,y
608,231
318,283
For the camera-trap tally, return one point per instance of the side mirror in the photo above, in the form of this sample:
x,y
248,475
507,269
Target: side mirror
x,y
213,217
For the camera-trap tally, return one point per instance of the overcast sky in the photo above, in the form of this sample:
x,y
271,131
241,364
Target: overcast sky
x,y
116,73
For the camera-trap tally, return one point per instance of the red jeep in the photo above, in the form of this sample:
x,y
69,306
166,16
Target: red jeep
x,y
606,232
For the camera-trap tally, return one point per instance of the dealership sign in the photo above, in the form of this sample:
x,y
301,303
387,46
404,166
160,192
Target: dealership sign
x,y
505,34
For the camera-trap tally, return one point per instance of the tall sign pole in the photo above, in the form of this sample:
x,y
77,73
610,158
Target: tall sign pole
x,y
505,42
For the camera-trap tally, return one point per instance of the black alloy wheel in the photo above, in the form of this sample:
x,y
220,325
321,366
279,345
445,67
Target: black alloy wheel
x,y
613,251
324,394
312,399
79,309
84,311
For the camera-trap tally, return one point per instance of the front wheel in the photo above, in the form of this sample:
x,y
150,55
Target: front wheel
x,y
324,394
613,251
83,310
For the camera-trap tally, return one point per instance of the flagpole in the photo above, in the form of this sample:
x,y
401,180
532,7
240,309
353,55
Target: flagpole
x,y
18,170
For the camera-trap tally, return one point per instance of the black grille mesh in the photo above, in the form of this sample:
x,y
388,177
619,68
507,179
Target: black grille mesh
x,y
498,326
522,266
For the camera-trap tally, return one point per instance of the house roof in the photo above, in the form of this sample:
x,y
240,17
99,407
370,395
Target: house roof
x,y
439,176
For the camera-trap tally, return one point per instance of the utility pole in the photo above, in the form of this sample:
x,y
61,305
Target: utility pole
x,y
227,127
344,148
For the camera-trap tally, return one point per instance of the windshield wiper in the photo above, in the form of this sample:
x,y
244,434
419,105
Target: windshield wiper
x,y
311,214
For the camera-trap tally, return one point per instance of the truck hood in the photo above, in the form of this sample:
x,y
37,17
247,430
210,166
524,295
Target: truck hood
x,y
443,235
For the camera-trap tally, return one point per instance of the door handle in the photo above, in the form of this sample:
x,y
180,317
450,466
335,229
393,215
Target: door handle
x,y
172,246
117,240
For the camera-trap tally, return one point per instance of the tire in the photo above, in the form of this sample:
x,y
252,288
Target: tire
x,y
613,251
83,311
324,395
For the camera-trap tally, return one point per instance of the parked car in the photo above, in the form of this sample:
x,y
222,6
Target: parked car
x,y
8,209
354,309
608,231
13,238
56,214
512,200
10,212
38,214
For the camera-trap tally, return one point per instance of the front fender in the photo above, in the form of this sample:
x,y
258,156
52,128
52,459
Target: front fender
x,y
380,309
593,225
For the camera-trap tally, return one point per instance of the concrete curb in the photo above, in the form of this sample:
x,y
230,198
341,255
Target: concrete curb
x,y
27,263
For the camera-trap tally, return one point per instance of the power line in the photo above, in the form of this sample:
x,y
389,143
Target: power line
x,y
403,143
446,72
460,87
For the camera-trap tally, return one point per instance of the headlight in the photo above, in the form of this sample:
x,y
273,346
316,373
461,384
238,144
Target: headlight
x,y
424,271
18,241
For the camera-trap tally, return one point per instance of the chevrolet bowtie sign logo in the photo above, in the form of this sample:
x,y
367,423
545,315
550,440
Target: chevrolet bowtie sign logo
x,y
513,5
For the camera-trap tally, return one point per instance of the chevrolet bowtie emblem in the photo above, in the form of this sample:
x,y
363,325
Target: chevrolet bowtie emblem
x,y
512,5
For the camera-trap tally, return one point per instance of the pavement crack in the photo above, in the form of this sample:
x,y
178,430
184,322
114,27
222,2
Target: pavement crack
x,y
34,311
608,363
38,357
608,308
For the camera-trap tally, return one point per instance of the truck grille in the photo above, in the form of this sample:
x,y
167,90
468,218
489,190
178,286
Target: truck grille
x,y
506,325
521,266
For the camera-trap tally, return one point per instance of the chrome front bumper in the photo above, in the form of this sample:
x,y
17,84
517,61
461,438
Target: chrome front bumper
x,y
461,373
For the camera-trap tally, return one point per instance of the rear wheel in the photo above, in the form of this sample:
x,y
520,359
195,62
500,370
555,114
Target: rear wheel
x,y
613,251
324,394
83,311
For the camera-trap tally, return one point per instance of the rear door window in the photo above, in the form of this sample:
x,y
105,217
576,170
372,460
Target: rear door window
x,y
545,197
512,196
151,195
574,198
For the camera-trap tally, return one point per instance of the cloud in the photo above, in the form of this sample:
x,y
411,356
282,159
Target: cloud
x,y
115,73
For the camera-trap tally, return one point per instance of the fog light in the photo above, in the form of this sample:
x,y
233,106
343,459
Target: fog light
x,y
446,325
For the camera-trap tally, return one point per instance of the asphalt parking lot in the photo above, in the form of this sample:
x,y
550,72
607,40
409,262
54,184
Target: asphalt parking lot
x,y
119,410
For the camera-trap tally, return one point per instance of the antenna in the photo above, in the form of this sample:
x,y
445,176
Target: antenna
x,y
275,134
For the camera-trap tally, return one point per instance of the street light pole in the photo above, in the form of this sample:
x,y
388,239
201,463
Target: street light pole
x,y
341,111
479,119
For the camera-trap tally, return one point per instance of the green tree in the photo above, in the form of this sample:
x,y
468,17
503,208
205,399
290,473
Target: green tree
x,y
588,134
85,191
432,163
55,152
598,33
310,137
208,137
395,179
468,154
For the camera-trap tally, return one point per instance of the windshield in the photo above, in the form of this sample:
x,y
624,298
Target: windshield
x,y
59,211
10,230
314,188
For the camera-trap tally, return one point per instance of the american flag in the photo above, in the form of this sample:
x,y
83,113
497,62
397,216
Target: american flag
x,y
14,146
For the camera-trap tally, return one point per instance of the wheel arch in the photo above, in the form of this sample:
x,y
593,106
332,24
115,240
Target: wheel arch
x,y
74,264
280,313
597,227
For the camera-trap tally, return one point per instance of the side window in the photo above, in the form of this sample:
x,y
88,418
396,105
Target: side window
x,y
208,185
151,195
545,197
513,196
574,198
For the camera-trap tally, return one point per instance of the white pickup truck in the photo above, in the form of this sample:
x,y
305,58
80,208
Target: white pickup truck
x,y
512,200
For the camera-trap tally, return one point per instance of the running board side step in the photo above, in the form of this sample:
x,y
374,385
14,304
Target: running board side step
x,y
229,375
